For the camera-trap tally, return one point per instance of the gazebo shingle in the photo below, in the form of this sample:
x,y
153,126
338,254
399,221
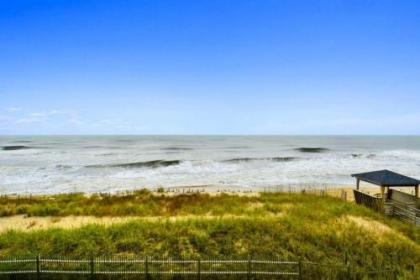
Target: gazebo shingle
x,y
387,178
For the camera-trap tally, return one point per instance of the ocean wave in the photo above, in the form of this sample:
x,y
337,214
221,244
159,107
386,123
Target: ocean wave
x,y
125,140
14,148
363,155
140,164
176,149
311,149
247,159
63,166
402,154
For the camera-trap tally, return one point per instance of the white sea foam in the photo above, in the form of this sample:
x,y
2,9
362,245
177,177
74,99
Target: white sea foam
x,y
92,164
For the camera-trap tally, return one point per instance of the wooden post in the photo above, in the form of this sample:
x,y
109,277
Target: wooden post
x,y
38,268
383,195
92,268
416,190
343,195
300,270
346,265
248,276
199,269
146,268
357,184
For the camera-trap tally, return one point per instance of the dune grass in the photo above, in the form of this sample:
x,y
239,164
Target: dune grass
x,y
138,203
264,226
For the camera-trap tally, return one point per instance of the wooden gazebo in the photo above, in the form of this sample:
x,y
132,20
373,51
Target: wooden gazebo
x,y
389,199
386,179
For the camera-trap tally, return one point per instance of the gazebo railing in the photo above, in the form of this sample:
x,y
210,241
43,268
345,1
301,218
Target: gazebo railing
x,y
406,212
373,202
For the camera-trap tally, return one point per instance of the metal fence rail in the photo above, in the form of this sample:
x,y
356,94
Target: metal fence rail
x,y
99,268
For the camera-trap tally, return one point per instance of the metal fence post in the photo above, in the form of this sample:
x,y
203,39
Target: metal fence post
x,y
92,268
38,269
199,269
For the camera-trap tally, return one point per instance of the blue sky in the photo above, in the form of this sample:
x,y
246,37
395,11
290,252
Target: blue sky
x,y
209,67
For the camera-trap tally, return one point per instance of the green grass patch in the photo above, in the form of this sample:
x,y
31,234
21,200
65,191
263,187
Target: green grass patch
x,y
268,226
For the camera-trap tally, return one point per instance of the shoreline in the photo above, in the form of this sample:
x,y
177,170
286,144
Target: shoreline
x,y
214,190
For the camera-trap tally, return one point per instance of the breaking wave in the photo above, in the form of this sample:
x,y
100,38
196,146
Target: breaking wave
x,y
363,155
176,149
247,159
141,164
15,148
311,150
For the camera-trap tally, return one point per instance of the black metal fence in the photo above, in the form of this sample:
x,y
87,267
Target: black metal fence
x,y
118,268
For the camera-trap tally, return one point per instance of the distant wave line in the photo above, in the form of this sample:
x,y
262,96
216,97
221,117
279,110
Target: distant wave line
x,y
312,149
247,159
15,148
140,164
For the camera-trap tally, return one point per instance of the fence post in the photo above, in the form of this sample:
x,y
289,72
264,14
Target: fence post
x,y
300,269
393,267
248,276
347,265
146,267
199,269
38,269
92,268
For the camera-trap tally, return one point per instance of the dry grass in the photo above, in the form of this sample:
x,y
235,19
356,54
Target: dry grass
x,y
267,226
27,224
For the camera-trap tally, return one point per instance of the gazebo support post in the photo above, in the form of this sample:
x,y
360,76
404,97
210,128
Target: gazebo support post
x,y
383,194
357,184
416,190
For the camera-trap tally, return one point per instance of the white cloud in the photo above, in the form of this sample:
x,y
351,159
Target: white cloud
x,y
66,121
35,117
384,124
44,117
5,119
390,120
13,109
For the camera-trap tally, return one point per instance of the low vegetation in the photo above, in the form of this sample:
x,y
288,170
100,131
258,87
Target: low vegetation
x,y
264,226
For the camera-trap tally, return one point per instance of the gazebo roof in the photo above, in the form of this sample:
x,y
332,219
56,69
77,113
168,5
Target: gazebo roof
x,y
387,178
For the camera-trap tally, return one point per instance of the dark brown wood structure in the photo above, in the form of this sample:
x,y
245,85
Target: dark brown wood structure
x,y
391,201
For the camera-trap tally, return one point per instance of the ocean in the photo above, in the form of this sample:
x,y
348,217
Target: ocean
x,y
55,164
